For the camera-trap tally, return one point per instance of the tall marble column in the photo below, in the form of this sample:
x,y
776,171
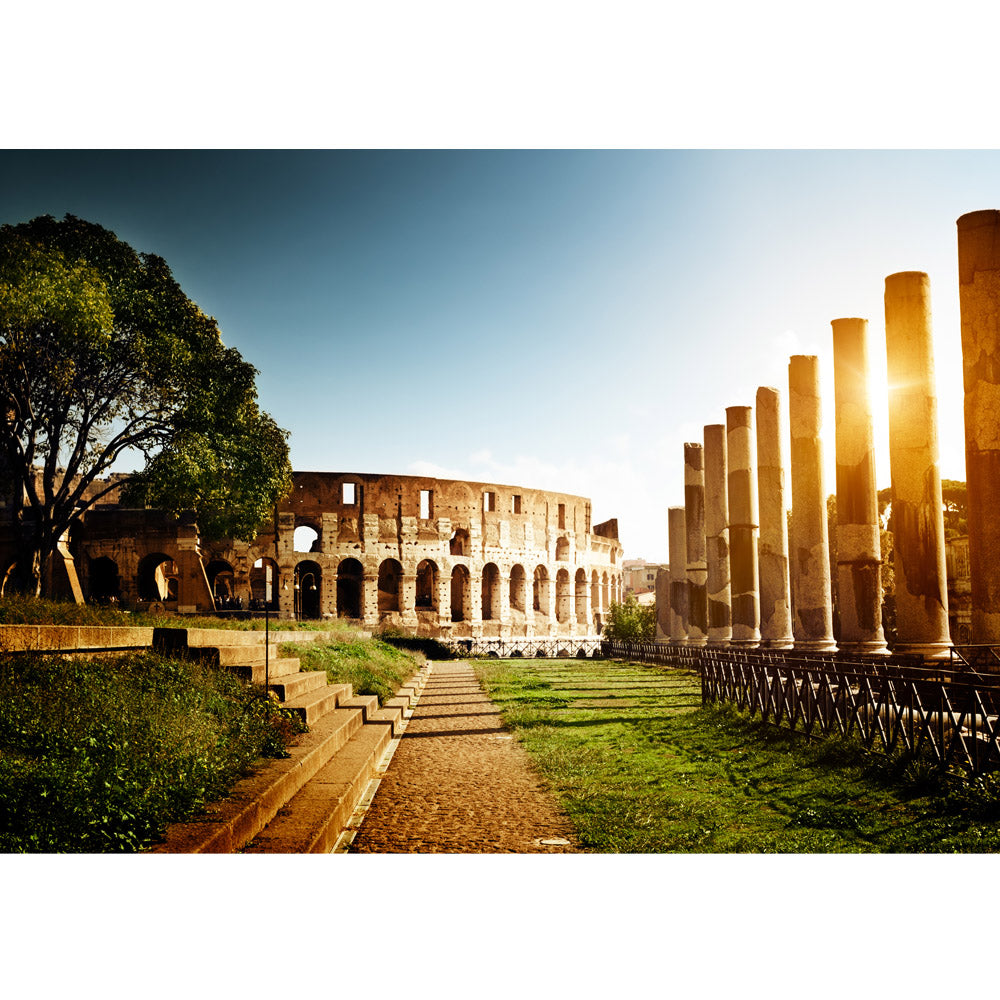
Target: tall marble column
x,y
743,526
775,588
859,550
720,624
678,575
917,518
979,301
812,622
697,568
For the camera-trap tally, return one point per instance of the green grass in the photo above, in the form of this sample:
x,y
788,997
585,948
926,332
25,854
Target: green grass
x,y
641,767
99,755
370,666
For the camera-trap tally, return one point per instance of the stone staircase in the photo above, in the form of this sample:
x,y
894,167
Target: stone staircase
x,y
302,803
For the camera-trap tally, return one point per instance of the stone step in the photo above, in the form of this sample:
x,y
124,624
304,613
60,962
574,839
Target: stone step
x,y
313,705
294,685
229,656
367,703
279,667
233,822
313,820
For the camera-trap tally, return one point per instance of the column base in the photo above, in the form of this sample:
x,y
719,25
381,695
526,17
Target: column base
x,y
815,646
866,648
928,650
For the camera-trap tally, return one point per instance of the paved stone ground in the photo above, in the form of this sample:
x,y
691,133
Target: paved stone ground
x,y
460,783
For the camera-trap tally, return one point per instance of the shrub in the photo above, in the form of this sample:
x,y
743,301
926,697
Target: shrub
x,y
631,620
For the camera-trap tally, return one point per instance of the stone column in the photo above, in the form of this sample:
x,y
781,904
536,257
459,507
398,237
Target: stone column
x,y
775,589
917,518
743,526
859,551
979,301
694,520
812,622
720,625
678,575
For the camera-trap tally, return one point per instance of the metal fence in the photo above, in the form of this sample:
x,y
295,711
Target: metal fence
x,y
554,647
948,712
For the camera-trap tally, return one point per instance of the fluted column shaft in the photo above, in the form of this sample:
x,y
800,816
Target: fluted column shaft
x,y
697,570
678,575
743,526
917,518
859,549
979,300
720,626
775,588
812,622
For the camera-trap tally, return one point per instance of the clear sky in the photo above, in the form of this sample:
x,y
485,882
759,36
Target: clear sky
x,y
555,319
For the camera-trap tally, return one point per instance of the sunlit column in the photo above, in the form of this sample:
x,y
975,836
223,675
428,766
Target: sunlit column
x,y
812,622
775,588
678,575
720,626
743,526
917,518
859,551
979,299
694,518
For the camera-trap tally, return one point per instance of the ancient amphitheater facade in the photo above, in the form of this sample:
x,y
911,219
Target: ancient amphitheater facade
x,y
436,557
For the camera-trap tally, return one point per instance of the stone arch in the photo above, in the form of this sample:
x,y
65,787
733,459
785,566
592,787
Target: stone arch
x,y
103,581
491,592
540,590
427,581
562,596
580,596
220,580
390,577
306,537
308,588
258,583
155,574
350,580
518,588
459,545
461,591
562,549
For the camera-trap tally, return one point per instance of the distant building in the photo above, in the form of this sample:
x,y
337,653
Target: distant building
x,y
639,576
959,589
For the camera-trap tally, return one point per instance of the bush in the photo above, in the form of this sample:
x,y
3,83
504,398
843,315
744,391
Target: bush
x,y
631,620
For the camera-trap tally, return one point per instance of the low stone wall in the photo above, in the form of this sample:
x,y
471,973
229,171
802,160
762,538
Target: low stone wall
x,y
72,638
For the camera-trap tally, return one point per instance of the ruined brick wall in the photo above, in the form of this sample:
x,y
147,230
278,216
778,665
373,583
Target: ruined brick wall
x,y
434,556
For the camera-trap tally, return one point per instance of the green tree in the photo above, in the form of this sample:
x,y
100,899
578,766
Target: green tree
x,y
102,358
630,620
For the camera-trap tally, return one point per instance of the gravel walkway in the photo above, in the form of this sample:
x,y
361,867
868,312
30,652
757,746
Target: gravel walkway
x,y
460,783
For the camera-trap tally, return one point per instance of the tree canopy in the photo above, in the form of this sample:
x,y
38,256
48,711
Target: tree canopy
x,y
103,357
630,620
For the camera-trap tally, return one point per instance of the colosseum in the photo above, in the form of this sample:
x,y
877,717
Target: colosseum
x,y
434,557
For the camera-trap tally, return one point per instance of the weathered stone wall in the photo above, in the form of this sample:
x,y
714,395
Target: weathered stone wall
x,y
439,557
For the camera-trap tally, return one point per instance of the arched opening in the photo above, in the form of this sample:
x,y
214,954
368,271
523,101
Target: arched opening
x,y
220,582
305,539
491,592
104,582
460,584
390,575
350,577
427,581
562,548
540,590
518,586
562,596
258,584
460,542
156,572
580,596
595,593
308,584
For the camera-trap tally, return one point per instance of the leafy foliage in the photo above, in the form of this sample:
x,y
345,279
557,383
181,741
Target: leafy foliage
x,y
100,755
103,357
630,620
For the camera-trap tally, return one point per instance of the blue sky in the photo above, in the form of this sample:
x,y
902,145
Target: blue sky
x,y
552,319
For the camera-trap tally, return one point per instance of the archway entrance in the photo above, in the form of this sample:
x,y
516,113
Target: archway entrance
x,y
350,575
308,581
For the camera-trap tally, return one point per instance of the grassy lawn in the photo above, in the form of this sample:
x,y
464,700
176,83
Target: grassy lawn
x,y
641,767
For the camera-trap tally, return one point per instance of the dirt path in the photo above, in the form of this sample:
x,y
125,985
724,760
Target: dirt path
x,y
460,783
